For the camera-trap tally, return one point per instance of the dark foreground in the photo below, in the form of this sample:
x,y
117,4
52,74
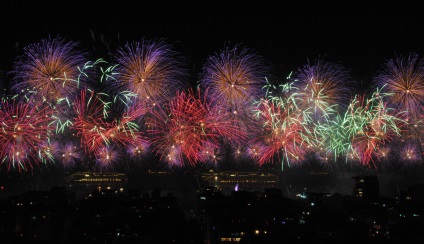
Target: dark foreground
x,y
118,215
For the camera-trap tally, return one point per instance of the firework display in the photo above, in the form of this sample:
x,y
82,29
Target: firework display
x,y
403,77
285,131
234,78
98,131
151,69
63,108
25,130
189,128
50,70
366,126
324,88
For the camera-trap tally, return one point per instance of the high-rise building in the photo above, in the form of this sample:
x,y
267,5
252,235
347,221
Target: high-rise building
x,y
366,187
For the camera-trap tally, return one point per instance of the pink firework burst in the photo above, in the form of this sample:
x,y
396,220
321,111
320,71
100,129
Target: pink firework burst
x,y
211,154
23,129
139,149
187,126
89,121
239,152
173,156
410,155
69,154
95,128
48,151
106,157
255,150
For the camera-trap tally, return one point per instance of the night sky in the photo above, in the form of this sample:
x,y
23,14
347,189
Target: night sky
x,y
360,37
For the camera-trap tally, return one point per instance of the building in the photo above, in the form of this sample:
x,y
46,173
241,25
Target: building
x,y
235,181
83,183
366,187
97,179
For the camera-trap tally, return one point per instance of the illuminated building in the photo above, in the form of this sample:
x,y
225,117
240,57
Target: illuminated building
x,y
93,179
234,181
366,187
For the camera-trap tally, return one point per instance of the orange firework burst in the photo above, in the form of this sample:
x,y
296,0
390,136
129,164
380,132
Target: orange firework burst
x,y
151,69
50,70
403,77
235,78
235,75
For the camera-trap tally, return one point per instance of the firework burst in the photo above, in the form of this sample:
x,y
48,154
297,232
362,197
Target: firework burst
x,y
366,126
141,105
409,155
24,129
211,154
403,77
48,151
106,157
70,154
49,71
235,77
383,156
151,69
139,149
325,88
97,130
187,126
284,132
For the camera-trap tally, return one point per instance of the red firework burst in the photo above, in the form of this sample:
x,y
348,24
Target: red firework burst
x,y
284,133
373,126
188,127
23,129
95,129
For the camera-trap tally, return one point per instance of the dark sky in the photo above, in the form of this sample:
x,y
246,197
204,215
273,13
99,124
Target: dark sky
x,y
361,37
